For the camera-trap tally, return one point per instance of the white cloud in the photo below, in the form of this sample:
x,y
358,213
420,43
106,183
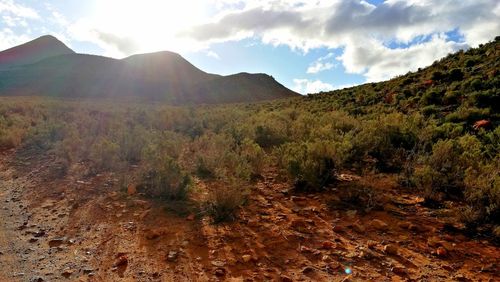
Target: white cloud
x,y
363,30
321,64
378,62
8,38
17,10
212,54
305,86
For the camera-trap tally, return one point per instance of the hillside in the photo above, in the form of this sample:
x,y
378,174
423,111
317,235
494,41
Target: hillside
x,y
461,88
33,51
162,76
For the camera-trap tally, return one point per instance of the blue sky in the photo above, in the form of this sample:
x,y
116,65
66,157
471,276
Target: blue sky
x,y
308,46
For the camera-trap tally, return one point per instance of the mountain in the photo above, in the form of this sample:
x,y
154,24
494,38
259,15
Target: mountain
x,y
162,76
33,51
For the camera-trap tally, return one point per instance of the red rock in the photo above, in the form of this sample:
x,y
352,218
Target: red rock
x,y
190,217
442,252
285,278
404,225
358,228
338,229
379,225
121,261
219,272
131,190
328,245
246,258
371,244
391,249
399,270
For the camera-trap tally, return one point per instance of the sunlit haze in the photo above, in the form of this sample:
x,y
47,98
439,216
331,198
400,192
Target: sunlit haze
x,y
309,46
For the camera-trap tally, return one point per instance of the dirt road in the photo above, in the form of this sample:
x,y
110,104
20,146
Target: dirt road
x,y
82,229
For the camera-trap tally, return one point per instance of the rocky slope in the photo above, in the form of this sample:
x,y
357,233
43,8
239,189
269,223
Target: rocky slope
x,y
85,230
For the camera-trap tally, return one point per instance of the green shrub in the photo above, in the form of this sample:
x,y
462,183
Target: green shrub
x,y
224,199
311,165
44,136
268,137
456,75
165,179
482,194
437,75
132,143
253,154
431,98
384,139
105,155
443,172
451,98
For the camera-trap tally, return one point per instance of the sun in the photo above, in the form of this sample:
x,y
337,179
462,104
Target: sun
x,y
153,25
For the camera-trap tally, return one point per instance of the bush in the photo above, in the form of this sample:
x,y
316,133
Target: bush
x,y
451,98
431,98
437,75
44,136
268,137
253,154
384,139
311,165
105,155
132,143
443,172
224,200
455,75
482,194
165,179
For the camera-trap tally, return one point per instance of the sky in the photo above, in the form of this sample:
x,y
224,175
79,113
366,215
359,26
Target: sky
x,y
307,45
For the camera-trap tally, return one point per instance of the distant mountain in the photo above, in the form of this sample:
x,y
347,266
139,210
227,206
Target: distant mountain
x,y
33,51
33,69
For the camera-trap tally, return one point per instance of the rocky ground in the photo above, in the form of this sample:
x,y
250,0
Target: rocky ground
x,y
75,229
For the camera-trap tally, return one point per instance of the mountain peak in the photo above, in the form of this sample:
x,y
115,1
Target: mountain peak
x,y
33,51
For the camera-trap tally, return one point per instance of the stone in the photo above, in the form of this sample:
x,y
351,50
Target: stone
x,y
442,252
404,225
307,269
172,256
87,271
300,226
379,225
328,245
399,270
358,228
246,258
337,229
37,279
218,263
190,217
219,272
433,241
67,273
122,260
391,249
131,190
285,278
371,244
152,235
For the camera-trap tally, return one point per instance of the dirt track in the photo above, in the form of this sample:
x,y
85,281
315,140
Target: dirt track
x,y
83,230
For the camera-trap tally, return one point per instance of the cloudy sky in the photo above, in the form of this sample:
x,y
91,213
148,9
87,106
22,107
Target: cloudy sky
x,y
308,45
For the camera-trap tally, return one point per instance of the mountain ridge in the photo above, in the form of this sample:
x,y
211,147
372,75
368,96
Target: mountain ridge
x,y
160,76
